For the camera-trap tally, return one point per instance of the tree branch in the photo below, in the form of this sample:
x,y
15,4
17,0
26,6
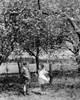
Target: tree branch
x,y
39,7
75,27
70,49
30,52
45,13
69,40
70,21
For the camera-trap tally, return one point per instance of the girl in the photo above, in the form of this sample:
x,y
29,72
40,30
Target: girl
x,y
43,78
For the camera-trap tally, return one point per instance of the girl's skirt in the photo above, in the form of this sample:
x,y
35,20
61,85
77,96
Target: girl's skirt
x,y
43,81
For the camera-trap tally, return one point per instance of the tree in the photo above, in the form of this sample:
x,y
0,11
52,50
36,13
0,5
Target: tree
x,y
27,27
5,47
67,13
34,35
71,15
35,26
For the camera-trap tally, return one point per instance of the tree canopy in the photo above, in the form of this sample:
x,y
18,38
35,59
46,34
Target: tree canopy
x,y
39,25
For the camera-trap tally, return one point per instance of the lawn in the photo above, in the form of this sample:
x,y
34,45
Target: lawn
x,y
57,91
64,87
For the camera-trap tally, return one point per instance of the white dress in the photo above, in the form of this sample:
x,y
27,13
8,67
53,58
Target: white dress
x,y
43,77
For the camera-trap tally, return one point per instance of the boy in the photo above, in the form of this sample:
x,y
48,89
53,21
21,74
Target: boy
x,y
25,77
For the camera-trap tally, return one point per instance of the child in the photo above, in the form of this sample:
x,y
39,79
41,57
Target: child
x,y
43,78
26,77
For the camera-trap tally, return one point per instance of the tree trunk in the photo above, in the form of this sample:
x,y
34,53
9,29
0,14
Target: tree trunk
x,y
50,72
76,53
37,64
1,59
78,60
37,60
19,66
39,5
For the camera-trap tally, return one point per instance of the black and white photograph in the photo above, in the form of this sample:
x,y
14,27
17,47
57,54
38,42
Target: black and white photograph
x,y
39,49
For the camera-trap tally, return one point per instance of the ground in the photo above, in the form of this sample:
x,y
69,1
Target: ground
x,y
52,95
61,89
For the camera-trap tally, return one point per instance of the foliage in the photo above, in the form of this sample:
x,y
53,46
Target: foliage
x,y
41,24
67,18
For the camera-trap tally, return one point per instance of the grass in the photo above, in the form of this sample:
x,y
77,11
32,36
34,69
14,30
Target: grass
x,y
65,84
61,89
